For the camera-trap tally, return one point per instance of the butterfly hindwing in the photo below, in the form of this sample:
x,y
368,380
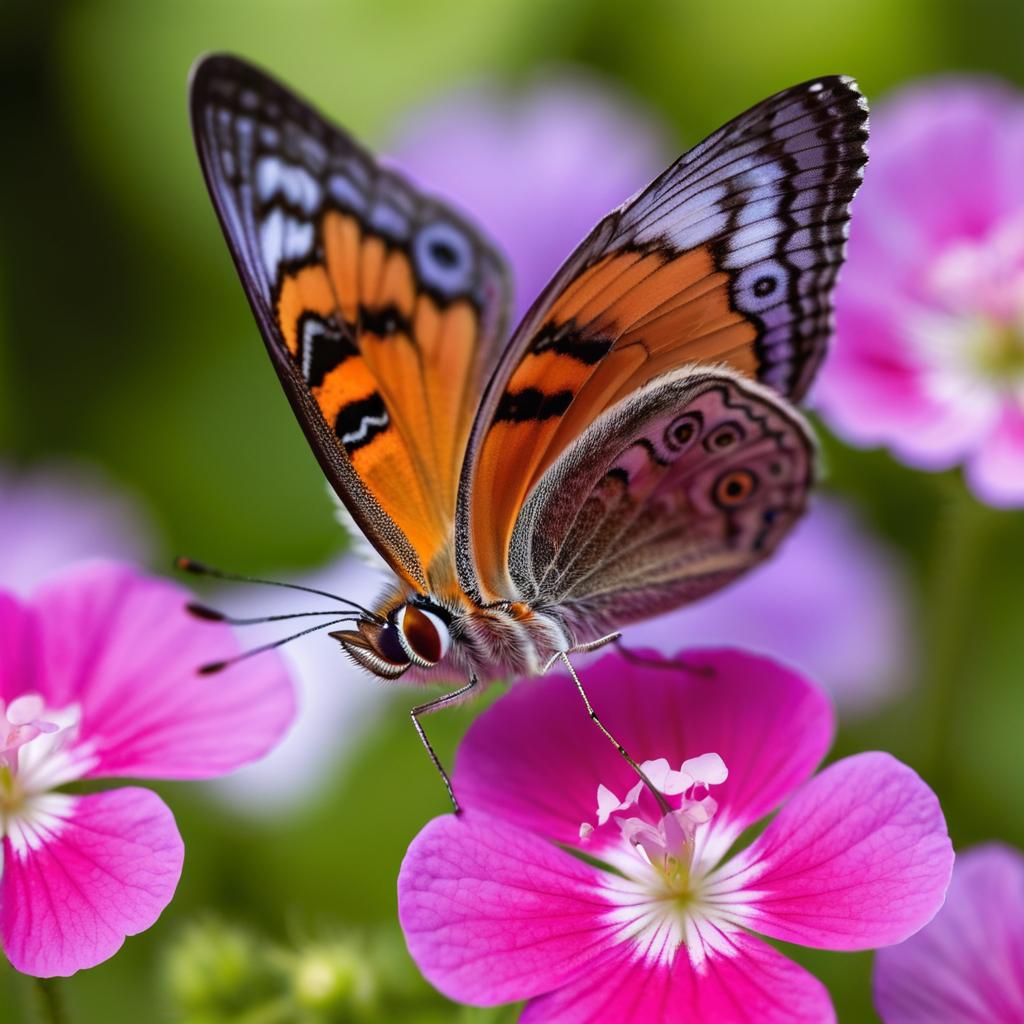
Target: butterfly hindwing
x,y
670,495
382,309
727,258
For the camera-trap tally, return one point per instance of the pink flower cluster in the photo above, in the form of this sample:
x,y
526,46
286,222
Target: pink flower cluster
x,y
660,920
97,681
929,351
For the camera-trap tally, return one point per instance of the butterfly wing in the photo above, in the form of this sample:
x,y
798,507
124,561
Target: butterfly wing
x,y
381,308
670,495
728,258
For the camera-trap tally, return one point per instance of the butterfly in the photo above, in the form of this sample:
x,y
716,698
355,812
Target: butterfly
x,y
630,447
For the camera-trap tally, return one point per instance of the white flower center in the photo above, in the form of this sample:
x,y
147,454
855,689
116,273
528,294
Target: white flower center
x,y
971,334
663,894
39,751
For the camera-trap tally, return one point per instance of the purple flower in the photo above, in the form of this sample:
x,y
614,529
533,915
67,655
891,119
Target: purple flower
x,y
655,925
53,515
537,171
98,680
967,966
831,603
929,353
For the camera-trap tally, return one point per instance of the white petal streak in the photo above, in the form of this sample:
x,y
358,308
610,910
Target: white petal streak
x,y
39,821
660,925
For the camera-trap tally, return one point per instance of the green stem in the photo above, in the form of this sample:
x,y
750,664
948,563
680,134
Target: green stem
x,y
51,1007
952,599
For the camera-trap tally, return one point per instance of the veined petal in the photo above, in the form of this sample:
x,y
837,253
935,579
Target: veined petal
x,y
121,646
103,868
967,965
536,759
858,858
751,983
493,914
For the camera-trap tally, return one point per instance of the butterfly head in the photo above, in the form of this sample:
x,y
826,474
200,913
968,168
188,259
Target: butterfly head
x,y
415,634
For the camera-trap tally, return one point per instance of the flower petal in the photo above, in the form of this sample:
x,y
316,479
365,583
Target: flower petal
x,y
536,758
17,644
492,914
967,965
106,873
754,985
858,858
121,646
995,472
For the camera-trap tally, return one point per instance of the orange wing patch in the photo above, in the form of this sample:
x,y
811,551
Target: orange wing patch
x,y
393,371
307,290
625,320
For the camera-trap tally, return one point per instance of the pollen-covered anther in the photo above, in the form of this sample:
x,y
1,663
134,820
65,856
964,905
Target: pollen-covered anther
x,y
659,855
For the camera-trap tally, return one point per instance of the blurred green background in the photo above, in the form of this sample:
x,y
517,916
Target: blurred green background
x,y
126,339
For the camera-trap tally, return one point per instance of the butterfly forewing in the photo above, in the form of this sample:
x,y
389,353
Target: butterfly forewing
x,y
727,258
382,309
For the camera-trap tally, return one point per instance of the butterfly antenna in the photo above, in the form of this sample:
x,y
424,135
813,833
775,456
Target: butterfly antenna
x,y
218,666
201,569
202,611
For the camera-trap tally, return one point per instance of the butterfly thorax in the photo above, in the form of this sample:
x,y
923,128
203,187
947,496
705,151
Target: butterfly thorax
x,y
429,637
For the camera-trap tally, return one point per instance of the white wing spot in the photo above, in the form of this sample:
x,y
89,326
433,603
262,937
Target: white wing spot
x,y
365,425
296,184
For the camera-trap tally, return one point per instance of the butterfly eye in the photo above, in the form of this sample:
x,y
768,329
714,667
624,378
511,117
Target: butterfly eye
x,y
389,644
724,437
734,488
424,635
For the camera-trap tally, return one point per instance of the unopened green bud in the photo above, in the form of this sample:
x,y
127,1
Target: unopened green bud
x,y
332,976
213,967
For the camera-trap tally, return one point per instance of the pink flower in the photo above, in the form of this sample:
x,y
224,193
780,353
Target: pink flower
x,y
929,353
98,680
967,965
538,170
658,923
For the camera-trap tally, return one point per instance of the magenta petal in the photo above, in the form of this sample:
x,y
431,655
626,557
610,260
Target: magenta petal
x,y
996,470
17,645
858,858
755,985
537,759
967,965
492,914
108,873
121,646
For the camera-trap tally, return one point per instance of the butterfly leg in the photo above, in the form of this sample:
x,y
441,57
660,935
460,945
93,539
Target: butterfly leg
x,y
435,705
663,663
590,645
662,802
